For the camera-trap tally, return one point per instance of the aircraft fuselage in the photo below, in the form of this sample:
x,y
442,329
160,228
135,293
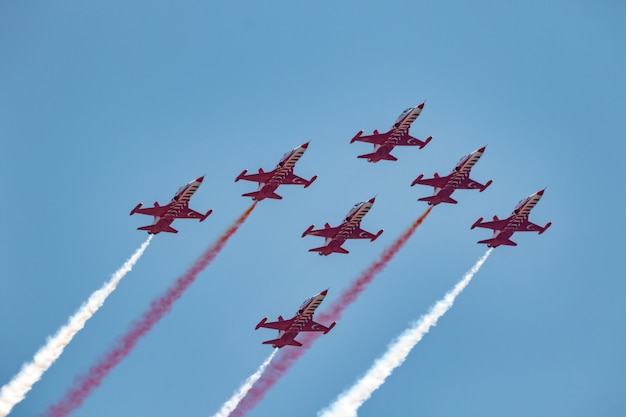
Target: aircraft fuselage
x,y
179,202
350,223
302,317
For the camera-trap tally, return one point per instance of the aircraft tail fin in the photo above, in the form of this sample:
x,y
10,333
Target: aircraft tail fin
x,y
375,157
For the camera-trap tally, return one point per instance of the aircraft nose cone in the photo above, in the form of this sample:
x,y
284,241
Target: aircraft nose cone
x,y
371,200
200,179
305,145
482,149
324,292
541,192
421,106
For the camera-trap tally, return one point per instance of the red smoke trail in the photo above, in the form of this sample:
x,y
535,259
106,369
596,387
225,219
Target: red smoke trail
x,y
158,308
288,356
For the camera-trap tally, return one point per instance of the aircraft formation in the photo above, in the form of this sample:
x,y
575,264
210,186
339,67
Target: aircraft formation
x,y
350,228
334,239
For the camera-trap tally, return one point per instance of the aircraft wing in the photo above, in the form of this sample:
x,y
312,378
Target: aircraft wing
x,y
156,211
187,213
359,233
262,177
527,226
408,140
376,138
277,325
494,225
312,326
327,232
291,178
470,184
437,182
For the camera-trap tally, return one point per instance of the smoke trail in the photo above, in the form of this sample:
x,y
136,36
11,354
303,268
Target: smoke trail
x,y
15,390
349,402
284,362
75,396
231,404
352,293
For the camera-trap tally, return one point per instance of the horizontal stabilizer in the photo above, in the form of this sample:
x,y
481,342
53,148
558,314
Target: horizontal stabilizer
x,y
378,156
274,196
169,229
444,200
325,250
281,342
496,242
256,195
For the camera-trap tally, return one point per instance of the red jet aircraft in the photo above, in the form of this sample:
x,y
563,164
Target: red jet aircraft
x,y
516,222
398,135
301,322
349,229
178,208
282,174
458,179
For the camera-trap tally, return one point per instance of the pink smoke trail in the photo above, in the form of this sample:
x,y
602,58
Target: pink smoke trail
x,y
288,357
84,385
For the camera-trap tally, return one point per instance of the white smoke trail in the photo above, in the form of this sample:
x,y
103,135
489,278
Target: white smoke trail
x,y
15,390
347,404
232,403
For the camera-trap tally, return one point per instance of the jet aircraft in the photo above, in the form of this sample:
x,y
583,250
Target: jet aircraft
x,y
301,322
178,208
348,229
459,178
398,135
282,174
516,222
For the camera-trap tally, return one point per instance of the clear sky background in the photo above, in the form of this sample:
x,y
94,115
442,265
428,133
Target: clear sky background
x,y
106,104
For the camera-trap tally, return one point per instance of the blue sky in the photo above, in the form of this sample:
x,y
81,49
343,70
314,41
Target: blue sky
x,y
107,104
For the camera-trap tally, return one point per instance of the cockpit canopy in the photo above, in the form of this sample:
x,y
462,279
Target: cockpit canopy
x,y
179,192
520,204
354,209
286,154
463,159
304,304
284,158
403,115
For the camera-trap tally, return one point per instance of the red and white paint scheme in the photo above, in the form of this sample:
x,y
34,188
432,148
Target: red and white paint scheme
x,y
282,174
398,135
516,222
459,178
348,229
178,208
301,322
